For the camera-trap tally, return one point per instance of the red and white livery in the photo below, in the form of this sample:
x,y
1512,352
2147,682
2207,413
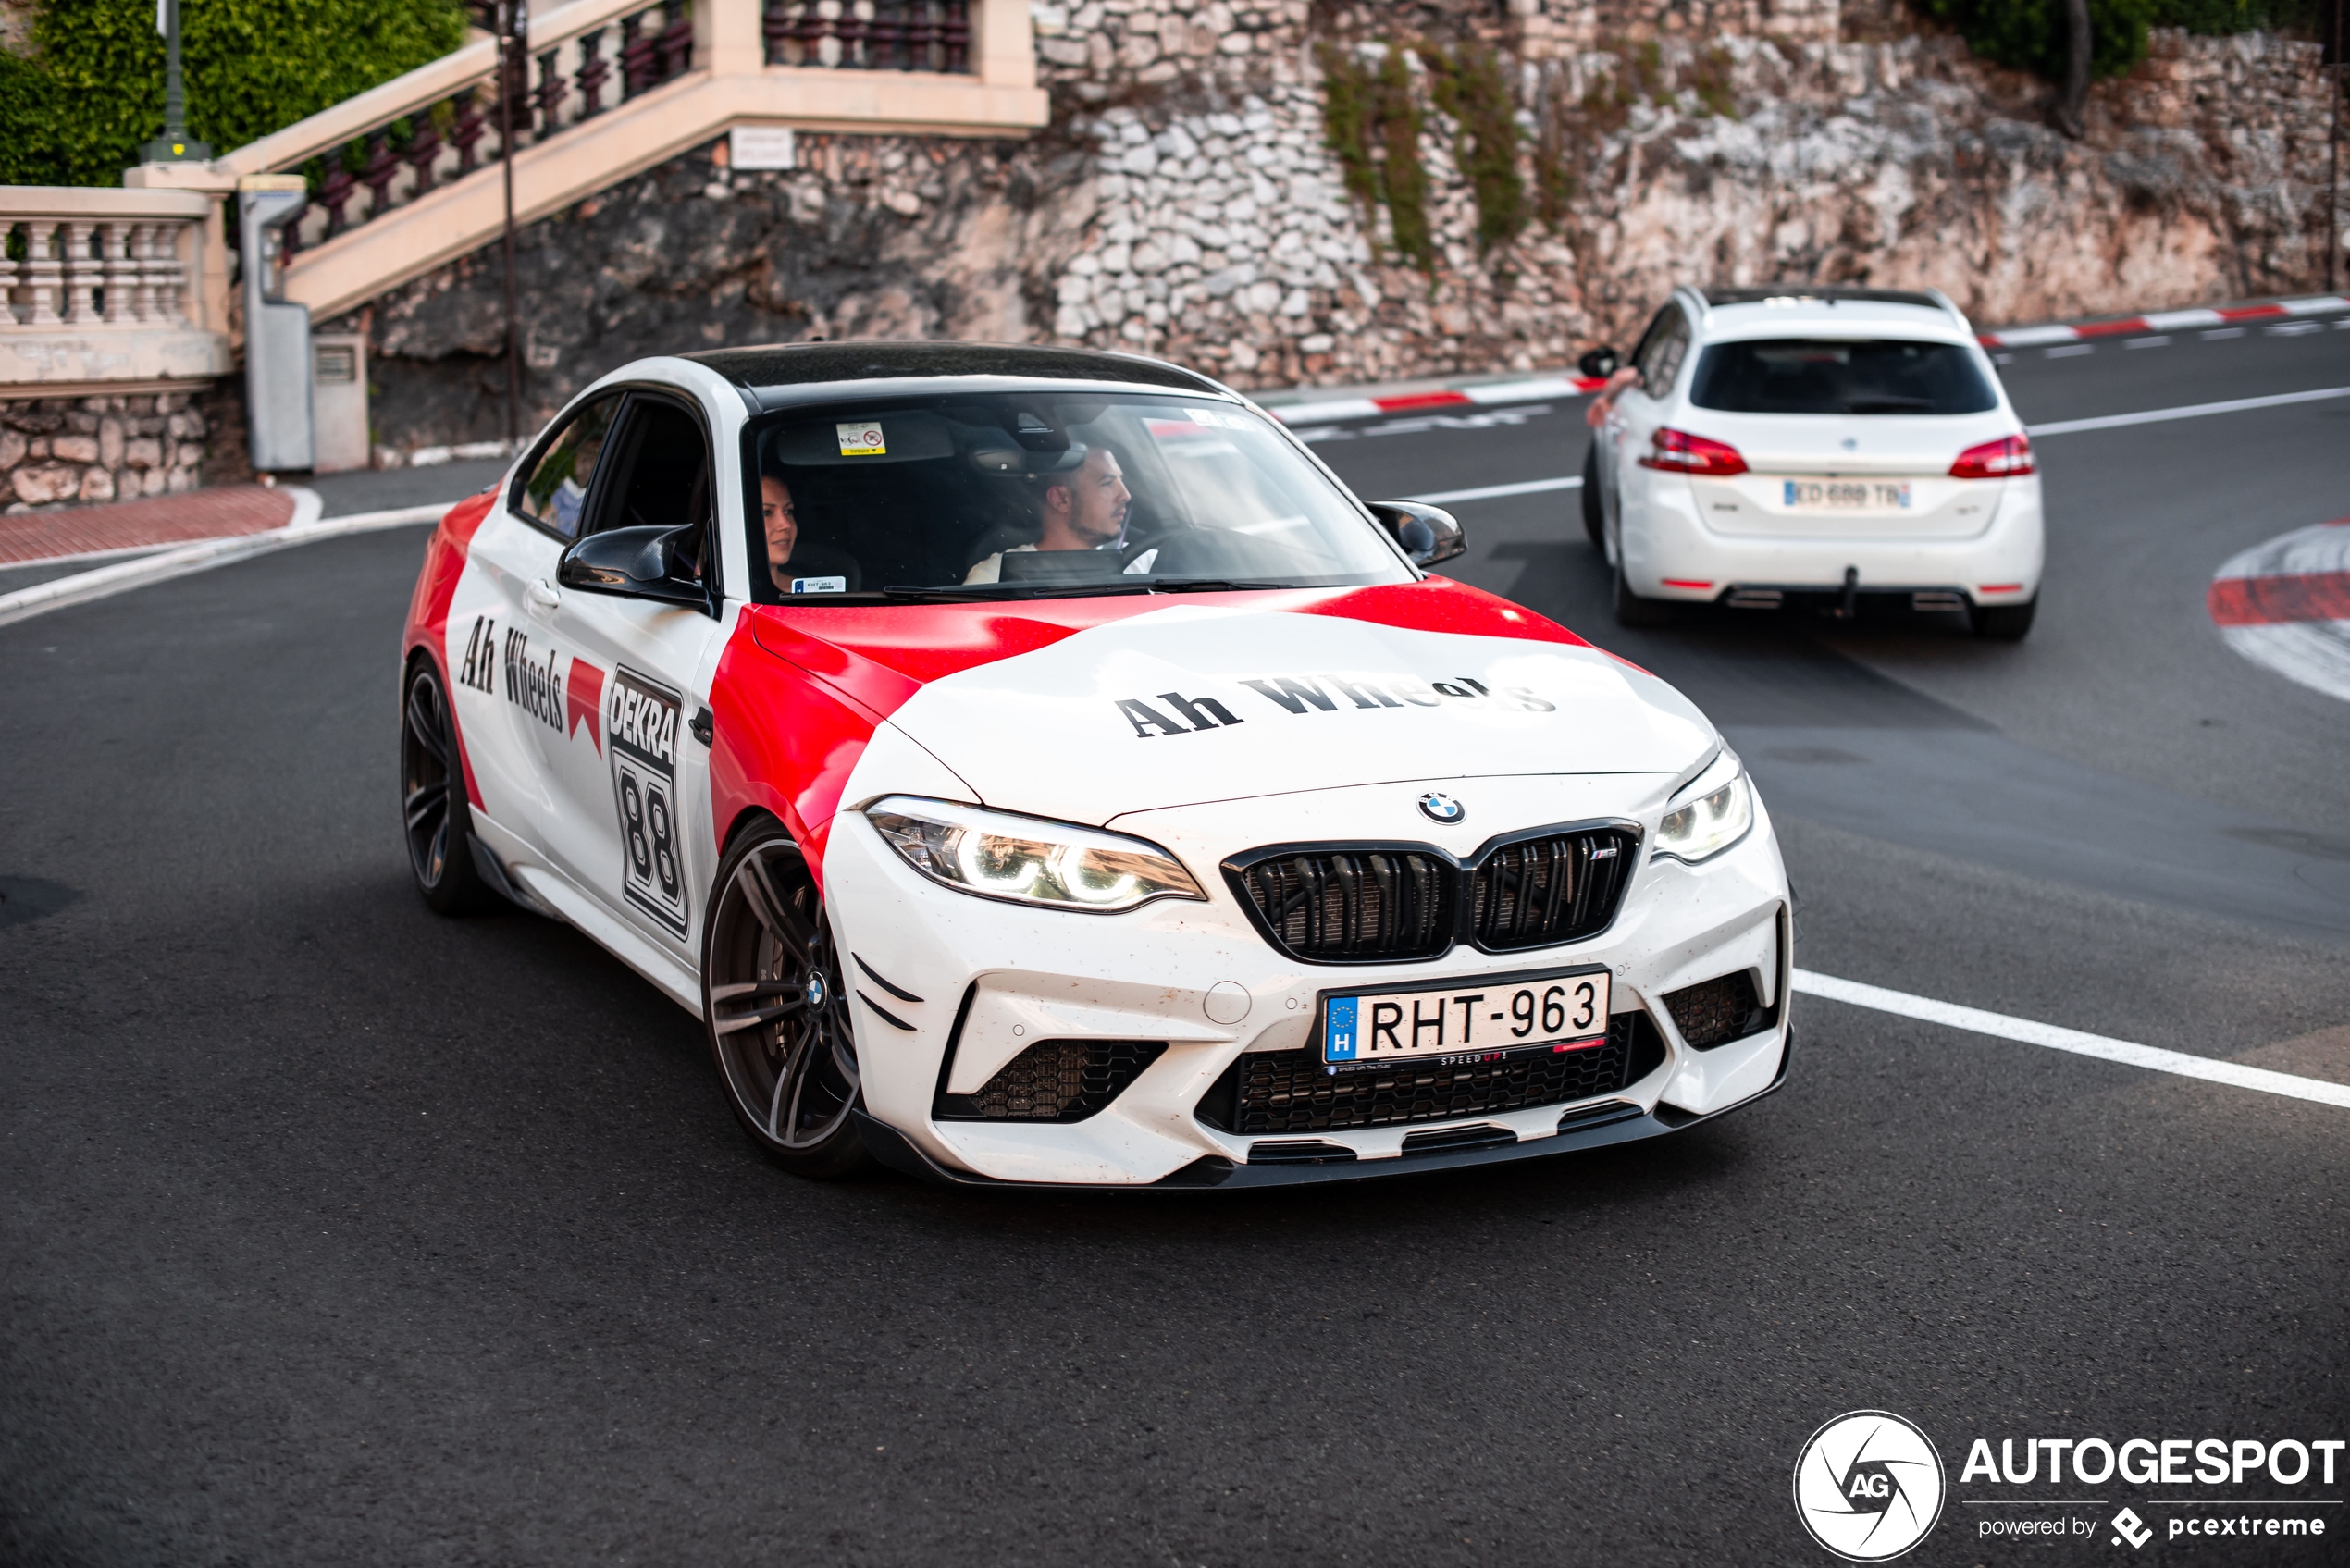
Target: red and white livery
x,y
1035,768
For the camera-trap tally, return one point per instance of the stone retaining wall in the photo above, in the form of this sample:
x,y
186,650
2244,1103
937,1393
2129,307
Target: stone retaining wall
x,y
1184,203
115,448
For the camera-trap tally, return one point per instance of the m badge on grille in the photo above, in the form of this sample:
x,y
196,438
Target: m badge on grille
x,y
1439,807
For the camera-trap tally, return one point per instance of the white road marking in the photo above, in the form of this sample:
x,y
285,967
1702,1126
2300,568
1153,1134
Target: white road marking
x,y
2187,411
2162,342
1487,492
165,564
1975,1020
2071,351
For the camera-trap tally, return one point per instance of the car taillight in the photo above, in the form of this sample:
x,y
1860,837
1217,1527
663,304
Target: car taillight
x,y
1680,452
2004,459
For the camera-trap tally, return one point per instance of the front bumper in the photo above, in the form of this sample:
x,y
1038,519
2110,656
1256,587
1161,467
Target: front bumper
x,y
1586,1127
994,980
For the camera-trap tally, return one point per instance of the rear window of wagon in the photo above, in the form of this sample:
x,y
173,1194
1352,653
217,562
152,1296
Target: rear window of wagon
x,y
1841,375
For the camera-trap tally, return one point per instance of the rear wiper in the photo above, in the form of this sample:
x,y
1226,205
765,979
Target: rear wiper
x,y
1889,405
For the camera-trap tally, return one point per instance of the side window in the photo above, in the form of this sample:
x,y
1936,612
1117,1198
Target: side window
x,y
1662,353
660,477
554,494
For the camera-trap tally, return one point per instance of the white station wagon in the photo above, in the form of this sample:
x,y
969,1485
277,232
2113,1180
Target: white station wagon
x,y
1802,446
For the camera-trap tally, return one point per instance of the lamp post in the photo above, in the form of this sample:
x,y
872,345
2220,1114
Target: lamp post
x,y
173,146
513,64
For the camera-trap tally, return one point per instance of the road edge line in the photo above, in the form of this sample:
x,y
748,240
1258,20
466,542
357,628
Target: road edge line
x,y
306,526
2184,411
2055,1037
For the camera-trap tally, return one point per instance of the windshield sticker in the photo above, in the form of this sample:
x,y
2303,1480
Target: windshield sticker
x,y
819,585
641,724
860,441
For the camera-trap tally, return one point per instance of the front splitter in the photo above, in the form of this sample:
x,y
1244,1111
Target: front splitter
x,y
1213,1173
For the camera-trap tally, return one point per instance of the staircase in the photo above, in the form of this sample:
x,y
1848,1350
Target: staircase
x,y
406,177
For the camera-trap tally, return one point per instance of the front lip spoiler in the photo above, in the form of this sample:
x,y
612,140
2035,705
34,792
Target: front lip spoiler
x,y
1214,1173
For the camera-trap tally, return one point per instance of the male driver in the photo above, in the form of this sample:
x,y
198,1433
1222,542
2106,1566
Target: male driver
x,y
1084,508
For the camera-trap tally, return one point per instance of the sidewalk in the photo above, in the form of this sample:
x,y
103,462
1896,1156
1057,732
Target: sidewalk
x,y
86,532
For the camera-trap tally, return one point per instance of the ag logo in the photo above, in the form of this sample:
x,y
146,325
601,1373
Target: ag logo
x,y
1868,1485
1439,807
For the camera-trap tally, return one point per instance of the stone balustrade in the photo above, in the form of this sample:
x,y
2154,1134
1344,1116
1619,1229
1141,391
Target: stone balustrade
x,y
94,291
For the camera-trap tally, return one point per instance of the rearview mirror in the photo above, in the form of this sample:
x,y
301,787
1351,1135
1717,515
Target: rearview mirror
x,y
658,564
1429,533
1600,363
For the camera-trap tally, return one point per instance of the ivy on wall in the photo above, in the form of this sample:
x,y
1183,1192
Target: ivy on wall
x,y
1372,126
1468,85
77,110
1371,121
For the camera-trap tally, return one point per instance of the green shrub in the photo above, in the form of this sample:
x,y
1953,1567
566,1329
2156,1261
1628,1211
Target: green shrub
x,y
76,113
2030,34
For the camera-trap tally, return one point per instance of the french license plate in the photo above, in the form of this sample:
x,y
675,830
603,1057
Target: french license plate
x,y
1469,1018
1844,495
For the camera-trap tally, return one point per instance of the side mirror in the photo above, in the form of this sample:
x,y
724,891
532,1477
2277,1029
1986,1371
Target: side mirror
x,y
1599,362
1429,533
639,562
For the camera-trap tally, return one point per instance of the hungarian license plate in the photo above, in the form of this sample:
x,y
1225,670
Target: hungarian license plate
x,y
1469,1018
1844,495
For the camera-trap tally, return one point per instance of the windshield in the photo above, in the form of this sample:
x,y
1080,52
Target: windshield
x,y
1045,494
1834,376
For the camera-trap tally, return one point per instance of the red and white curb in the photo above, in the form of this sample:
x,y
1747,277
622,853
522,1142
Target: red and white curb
x,y
205,554
1489,394
2286,605
2164,321
1484,394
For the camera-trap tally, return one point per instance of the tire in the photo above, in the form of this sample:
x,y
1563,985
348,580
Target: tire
x,y
436,817
2005,622
1631,609
1594,514
776,1010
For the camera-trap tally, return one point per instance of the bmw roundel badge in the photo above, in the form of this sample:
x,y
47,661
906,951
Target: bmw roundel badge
x,y
1439,807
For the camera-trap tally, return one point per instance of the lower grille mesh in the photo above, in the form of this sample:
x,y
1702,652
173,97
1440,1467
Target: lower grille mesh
x,y
1057,1081
1275,1092
1718,1011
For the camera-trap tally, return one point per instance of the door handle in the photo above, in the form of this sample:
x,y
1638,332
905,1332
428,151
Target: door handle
x,y
542,595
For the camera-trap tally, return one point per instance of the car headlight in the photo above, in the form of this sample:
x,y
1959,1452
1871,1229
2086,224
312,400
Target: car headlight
x,y
1714,812
1027,859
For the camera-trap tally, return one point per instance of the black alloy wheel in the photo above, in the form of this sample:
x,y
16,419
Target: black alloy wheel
x,y
1594,510
438,821
777,1010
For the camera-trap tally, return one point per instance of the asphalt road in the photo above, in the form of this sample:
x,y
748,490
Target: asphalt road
x,y
333,1233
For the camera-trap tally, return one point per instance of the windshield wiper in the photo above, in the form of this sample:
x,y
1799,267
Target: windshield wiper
x,y
979,593
1213,584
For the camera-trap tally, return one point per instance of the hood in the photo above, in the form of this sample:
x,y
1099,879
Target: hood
x,y
1087,709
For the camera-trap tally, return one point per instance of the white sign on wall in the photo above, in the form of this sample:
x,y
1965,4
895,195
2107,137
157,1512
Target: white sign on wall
x,y
761,146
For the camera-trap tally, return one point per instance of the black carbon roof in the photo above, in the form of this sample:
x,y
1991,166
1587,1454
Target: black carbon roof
x,y
798,364
1762,291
